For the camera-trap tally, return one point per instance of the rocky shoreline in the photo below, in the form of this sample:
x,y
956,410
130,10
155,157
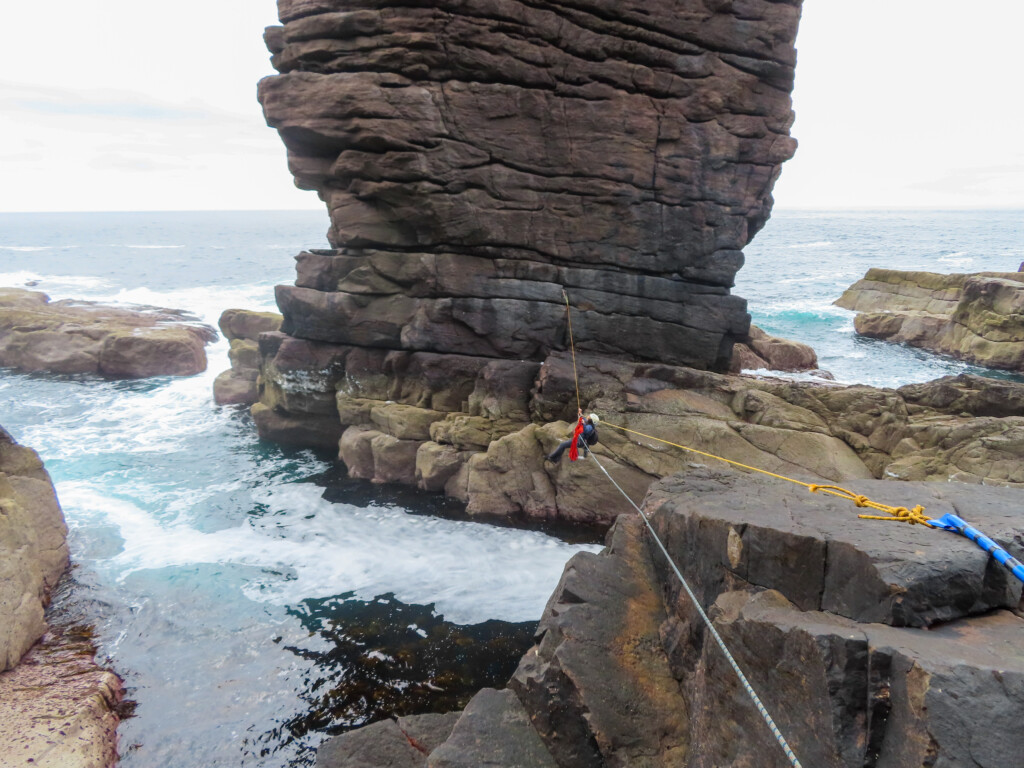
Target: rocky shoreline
x,y
972,317
58,707
72,336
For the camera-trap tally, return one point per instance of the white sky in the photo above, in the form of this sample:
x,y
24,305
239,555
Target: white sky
x,y
136,105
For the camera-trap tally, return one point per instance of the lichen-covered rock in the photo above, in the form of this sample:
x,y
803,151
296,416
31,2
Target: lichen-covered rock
x,y
973,317
33,549
476,158
242,327
58,708
70,336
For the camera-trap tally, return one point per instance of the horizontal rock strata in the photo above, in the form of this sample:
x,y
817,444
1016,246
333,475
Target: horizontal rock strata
x,y
974,317
892,647
71,336
57,707
477,157
242,328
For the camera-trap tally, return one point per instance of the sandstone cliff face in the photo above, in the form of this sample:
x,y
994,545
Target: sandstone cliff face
x,y
974,317
57,707
899,647
476,157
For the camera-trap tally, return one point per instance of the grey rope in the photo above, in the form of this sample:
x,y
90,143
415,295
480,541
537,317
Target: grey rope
x,y
714,633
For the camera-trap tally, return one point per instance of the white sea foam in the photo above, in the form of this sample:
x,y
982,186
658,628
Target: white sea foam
x,y
207,302
307,547
25,248
145,247
815,244
958,260
56,286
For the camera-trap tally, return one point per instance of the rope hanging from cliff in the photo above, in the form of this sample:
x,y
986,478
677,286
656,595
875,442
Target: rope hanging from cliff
x,y
711,627
572,346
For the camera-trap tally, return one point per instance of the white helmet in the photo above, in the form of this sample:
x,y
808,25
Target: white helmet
x,y
594,418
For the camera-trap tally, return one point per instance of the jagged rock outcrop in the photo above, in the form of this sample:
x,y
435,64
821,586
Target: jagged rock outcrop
x,y
762,351
479,429
900,648
57,707
71,336
974,317
476,157
242,328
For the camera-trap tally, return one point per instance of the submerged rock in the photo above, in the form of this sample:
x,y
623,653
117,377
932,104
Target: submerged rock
x,y
974,317
84,337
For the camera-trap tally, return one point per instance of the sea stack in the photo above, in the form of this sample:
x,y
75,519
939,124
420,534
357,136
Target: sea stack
x,y
478,157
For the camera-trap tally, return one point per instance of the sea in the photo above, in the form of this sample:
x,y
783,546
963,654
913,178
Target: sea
x,y
256,600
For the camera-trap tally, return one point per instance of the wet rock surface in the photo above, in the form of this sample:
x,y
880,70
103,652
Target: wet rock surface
x,y
70,336
973,317
476,158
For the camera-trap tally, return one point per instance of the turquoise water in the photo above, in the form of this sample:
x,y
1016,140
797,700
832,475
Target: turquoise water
x,y
220,581
803,260
251,601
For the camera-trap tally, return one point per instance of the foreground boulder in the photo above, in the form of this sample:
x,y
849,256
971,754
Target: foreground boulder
x,y
57,707
242,328
33,548
870,643
974,317
71,336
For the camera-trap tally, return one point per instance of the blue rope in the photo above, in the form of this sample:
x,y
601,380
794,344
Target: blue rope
x,y
951,522
714,632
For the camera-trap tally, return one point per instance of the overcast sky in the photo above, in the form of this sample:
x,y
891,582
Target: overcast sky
x,y
134,105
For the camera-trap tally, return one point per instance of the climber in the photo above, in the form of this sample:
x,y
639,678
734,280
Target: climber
x,y
584,435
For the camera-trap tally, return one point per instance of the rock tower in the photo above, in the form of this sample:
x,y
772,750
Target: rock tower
x,y
478,156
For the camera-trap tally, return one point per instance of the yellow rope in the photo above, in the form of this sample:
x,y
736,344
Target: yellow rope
x,y
572,346
894,514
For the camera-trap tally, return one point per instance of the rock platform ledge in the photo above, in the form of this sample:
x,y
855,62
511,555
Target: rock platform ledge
x,y
72,336
974,317
872,644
